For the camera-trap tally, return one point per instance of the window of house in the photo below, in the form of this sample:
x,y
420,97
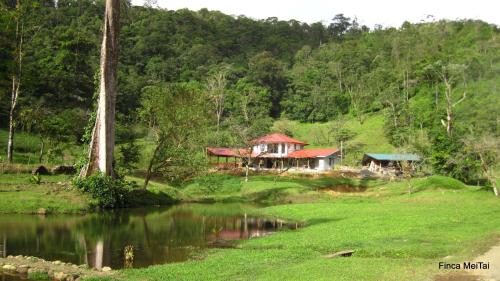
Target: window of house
x,y
282,148
262,147
272,148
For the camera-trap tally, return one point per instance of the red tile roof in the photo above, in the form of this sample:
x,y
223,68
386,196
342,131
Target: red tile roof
x,y
227,152
313,153
276,138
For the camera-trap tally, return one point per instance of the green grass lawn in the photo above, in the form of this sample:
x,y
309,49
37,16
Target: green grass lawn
x,y
27,150
54,194
266,189
396,236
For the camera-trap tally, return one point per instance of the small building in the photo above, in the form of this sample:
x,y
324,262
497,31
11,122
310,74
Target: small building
x,y
226,158
277,152
382,162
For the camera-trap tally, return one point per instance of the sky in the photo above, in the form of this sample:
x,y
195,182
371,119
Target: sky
x,y
383,12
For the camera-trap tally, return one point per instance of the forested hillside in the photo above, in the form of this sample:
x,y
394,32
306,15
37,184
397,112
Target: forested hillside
x,y
434,85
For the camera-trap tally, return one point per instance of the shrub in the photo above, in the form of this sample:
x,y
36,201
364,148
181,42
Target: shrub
x,y
36,178
109,192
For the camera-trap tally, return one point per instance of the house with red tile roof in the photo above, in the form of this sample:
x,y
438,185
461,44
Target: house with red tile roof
x,y
277,152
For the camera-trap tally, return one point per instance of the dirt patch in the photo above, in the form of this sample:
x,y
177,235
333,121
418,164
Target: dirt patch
x,y
459,276
343,188
491,257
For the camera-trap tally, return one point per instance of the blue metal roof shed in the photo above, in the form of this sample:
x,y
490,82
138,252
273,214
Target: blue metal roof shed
x,y
392,157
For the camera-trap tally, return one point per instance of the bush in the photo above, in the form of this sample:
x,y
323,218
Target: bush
x,y
36,178
109,192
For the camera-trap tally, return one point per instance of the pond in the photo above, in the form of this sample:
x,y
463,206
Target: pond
x,y
157,235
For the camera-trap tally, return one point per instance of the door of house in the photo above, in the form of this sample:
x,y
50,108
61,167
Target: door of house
x,y
312,163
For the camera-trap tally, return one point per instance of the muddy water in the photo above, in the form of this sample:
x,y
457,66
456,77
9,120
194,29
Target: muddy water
x,y
159,235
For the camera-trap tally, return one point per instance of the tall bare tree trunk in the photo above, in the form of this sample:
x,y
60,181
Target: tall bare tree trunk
x,y
247,168
13,102
448,93
102,143
16,82
42,146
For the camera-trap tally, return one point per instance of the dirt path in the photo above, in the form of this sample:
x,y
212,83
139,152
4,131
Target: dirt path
x,y
492,274
493,257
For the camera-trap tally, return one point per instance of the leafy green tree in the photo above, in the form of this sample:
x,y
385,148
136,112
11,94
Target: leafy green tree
x,y
177,115
487,149
268,72
217,88
339,26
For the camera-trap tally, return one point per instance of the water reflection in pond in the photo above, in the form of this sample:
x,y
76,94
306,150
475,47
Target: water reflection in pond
x,y
159,235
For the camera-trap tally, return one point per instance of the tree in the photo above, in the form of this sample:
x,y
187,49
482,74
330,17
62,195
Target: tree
x,y
284,126
102,143
16,76
339,26
179,133
451,75
53,128
360,101
341,134
249,117
267,71
487,148
216,86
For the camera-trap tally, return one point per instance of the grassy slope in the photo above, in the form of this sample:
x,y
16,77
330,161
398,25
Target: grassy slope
x,y
265,189
370,133
396,237
27,149
18,195
56,195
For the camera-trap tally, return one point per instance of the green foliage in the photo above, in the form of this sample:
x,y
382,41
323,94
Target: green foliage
x,y
449,158
36,178
304,72
109,192
178,133
130,154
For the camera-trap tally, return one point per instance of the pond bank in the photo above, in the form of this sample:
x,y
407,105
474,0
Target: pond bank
x,y
153,236
55,194
37,268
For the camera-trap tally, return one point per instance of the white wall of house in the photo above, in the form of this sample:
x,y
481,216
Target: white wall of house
x,y
259,148
326,163
282,151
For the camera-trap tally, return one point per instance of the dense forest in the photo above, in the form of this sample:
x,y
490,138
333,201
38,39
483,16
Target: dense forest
x,y
206,78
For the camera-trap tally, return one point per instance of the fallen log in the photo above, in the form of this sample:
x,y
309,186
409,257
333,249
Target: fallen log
x,y
345,253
